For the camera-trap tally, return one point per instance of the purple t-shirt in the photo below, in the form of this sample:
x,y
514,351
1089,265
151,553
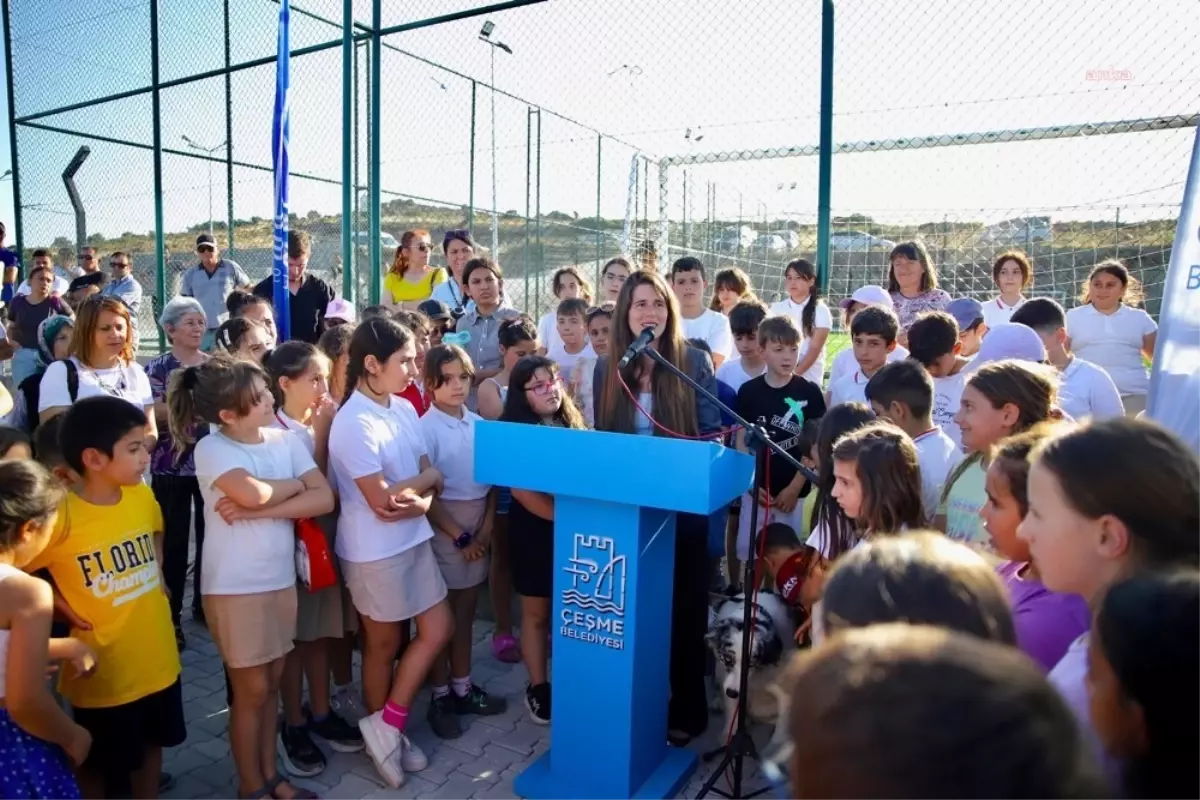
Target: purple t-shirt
x,y
1046,622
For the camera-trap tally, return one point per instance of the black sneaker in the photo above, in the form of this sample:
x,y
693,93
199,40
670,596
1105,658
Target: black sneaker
x,y
341,735
477,701
537,700
166,782
443,718
301,757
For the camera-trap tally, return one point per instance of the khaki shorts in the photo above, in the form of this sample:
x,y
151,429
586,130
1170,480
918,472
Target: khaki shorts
x,y
396,588
251,629
456,570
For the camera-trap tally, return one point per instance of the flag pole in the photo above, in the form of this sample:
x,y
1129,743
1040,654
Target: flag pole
x,y
280,131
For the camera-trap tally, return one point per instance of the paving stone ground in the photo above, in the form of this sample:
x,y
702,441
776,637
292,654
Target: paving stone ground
x,y
480,764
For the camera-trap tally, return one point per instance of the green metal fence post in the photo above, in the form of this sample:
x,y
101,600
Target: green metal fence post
x,y
471,188
599,182
160,266
528,194
348,284
12,140
537,210
228,132
373,131
825,166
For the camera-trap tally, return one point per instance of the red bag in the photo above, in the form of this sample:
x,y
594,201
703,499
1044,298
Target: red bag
x,y
314,561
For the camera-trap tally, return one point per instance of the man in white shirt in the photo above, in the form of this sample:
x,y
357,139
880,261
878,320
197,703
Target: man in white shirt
x,y
902,393
41,258
1085,390
690,286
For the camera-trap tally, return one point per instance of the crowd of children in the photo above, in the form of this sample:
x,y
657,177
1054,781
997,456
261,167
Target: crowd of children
x,y
335,506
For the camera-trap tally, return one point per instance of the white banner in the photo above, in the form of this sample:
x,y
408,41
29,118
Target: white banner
x,y
1175,380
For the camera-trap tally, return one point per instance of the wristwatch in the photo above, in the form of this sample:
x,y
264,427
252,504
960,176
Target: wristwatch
x,y
463,541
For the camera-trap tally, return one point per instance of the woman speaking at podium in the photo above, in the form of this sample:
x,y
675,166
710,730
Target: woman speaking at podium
x,y
666,406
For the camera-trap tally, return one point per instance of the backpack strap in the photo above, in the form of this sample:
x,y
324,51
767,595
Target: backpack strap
x,y
72,379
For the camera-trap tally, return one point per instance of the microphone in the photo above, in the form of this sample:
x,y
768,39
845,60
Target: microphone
x,y
639,344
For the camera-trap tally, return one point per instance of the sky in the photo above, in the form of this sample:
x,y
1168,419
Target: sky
x,y
739,78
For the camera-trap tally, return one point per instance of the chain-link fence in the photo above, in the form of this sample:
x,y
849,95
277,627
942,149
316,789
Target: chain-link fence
x,y
584,130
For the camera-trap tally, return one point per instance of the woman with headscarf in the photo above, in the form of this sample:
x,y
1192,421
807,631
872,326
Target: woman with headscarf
x,y
53,338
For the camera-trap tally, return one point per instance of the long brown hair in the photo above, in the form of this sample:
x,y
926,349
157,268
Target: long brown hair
x,y
1133,295
674,403
83,335
734,279
400,262
887,466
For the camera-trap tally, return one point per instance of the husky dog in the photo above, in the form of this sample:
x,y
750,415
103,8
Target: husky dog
x,y
772,638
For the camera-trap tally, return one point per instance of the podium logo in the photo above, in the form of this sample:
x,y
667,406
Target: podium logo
x,y
594,603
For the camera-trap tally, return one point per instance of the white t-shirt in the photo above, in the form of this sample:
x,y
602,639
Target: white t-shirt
x,y
548,332
947,397
128,382
1085,390
285,423
821,541
845,363
251,555
822,319
713,328
450,444
366,439
937,454
996,312
567,361
733,374
1113,342
850,389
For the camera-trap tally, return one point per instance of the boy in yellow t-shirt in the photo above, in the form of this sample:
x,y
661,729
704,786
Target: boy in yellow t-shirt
x,y
104,559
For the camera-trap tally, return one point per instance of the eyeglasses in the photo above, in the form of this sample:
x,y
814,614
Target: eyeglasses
x,y
422,246
543,388
88,258
206,249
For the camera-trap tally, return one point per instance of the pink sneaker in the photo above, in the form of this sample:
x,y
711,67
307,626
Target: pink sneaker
x,y
505,648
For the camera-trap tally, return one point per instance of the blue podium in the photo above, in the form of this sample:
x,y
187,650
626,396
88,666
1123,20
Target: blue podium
x,y
615,499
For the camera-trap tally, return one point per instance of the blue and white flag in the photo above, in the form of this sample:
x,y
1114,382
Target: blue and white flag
x,y
1175,380
280,131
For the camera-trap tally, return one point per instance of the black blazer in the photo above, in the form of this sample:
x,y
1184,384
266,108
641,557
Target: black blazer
x,y
699,367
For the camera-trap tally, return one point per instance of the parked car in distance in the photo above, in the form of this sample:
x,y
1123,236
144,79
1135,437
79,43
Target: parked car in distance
x,y
386,240
734,239
791,238
858,240
771,242
1018,232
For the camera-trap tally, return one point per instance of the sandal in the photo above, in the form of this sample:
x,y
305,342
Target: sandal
x,y
298,792
505,648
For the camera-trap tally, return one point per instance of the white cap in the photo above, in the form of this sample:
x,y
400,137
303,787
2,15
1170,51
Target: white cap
x,y
868,296
1008,340
341,309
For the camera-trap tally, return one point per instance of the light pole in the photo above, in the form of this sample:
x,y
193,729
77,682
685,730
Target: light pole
x,y
210,151
485,36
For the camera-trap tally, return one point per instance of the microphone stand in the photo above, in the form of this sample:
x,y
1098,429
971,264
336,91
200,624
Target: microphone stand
x,y
741,744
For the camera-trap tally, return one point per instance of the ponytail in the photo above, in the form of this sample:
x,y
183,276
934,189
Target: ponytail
x,y
378,337
199,394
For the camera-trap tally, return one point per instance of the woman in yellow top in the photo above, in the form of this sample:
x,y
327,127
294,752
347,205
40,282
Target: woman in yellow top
x,y
411,279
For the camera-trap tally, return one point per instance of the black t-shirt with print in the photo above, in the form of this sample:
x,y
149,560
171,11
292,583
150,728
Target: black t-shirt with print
x,y
784,420
306,308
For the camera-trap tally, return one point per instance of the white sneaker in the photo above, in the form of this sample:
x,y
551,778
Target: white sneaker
x,y
384,746
412,758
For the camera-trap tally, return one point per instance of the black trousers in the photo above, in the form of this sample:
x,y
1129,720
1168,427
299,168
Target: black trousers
x,y
688,707
176,496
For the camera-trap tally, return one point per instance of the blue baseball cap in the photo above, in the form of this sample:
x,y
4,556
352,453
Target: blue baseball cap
x,y
966,311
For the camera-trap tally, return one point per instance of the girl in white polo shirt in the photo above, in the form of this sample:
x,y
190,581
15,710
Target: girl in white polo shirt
x,y
806,308
382,470
255,481
1012,273
1112,333
463,519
